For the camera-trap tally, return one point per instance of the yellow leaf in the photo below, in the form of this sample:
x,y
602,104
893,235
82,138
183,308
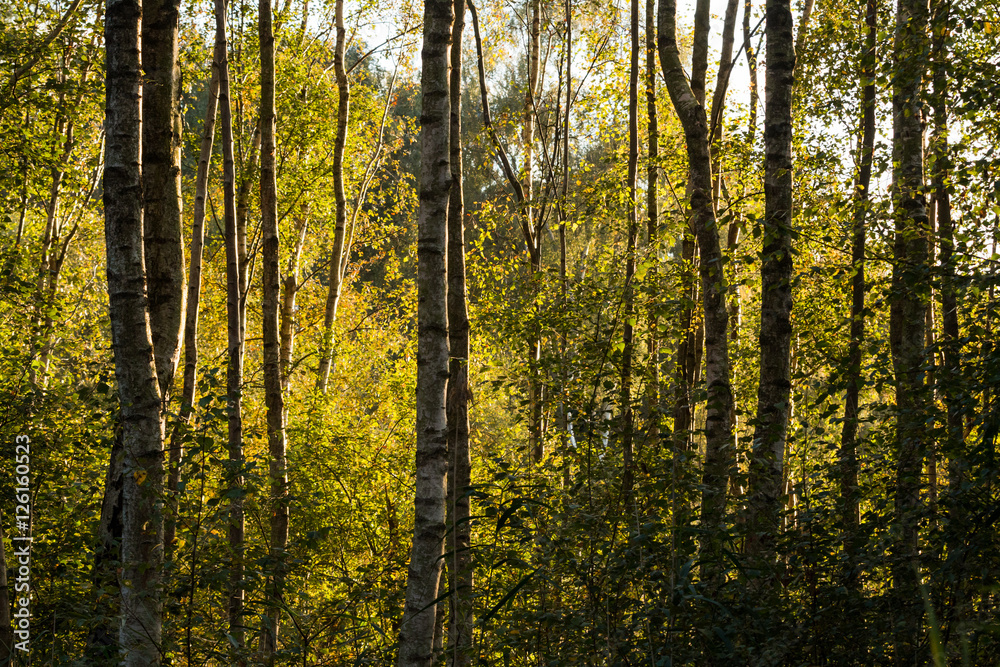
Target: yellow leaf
x,y
140,476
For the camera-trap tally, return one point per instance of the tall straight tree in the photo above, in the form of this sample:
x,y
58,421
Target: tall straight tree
x,y
416,632
234,327
735,312
907,307
533,235
719,451
633,232
135,369
689,349
849,501
652,217
190,381
337,263
775,338
950,374
460,618
273,398
161,184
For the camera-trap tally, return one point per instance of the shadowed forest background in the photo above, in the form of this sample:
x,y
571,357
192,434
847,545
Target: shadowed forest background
x,y
564,333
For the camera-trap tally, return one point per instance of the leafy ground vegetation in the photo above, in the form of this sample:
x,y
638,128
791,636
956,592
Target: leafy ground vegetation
x,y
560,333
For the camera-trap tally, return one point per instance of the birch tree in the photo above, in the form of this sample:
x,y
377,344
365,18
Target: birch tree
x,y
234,335
848,447
460,617
908,304
630,248
416,632
652,217
190,380
337,260
719,452
161,183
273,396
135,369
775,338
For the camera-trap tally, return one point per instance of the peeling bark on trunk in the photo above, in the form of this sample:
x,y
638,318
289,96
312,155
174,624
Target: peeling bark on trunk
x,y
190,383
719,450
416,632
774,388
849,497
336,259
234,320
460,617
908,301
161,183
135,370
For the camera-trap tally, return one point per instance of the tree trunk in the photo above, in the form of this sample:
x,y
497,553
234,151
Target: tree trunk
x,y
652,221
102,644
533,16
190,384
565,425
234,319
135,370
6,630
774,388
699,49
460,618
534,240
336,259
908,299
290,286
161,184
416,632
719,96
273,398
949,375
248,173
719,451
689,349
633,231
733,240
715,131
849,501
686,358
